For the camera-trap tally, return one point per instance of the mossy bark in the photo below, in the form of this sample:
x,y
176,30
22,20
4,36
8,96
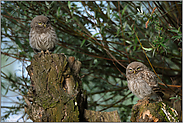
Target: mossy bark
x,y
56,90
56,93
146,111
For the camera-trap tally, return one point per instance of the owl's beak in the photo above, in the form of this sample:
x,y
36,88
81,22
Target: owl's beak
x,y
44,25
134,71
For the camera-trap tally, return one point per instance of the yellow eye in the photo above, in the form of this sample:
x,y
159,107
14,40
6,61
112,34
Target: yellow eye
x,y
39,23
138,68
130,69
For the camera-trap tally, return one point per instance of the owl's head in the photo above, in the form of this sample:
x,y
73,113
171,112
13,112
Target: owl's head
x,y
40,22
135,67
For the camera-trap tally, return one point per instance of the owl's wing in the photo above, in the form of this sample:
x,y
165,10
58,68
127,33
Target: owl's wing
x,y
151,79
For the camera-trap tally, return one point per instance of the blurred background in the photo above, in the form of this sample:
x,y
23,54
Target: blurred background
x,y
105,36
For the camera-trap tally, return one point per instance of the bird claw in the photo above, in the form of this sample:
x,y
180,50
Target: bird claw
x,y
47,51
41,53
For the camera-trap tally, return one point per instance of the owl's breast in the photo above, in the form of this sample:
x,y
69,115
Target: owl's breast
x,y
42,41
44,36
139,86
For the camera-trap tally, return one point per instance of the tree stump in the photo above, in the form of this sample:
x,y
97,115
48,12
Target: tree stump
x,y
96,116
146,111
56,94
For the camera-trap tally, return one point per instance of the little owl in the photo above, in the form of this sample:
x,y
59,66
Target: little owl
x,y
42,36
142,82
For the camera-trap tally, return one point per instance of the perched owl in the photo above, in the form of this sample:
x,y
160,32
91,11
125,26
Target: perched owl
x,y
142,82
42,36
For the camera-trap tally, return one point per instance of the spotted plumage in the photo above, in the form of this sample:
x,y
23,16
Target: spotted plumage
x,y
142,82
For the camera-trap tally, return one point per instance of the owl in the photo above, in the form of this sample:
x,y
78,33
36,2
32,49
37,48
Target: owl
x,y
42,36
143,82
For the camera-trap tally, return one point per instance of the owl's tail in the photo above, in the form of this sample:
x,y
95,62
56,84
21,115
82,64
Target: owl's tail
x,y
158,93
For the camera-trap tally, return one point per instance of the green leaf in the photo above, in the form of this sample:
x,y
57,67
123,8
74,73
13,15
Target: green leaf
x,y
147,49
123,11
175,30
108,11
47,12
118,31
125,24
25,12
83,42
116,15
69,4
128,42
95,34
173,97
58,12
47,4
7,89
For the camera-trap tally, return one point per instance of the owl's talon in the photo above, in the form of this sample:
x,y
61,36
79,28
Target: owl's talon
x,y
47,51
42,52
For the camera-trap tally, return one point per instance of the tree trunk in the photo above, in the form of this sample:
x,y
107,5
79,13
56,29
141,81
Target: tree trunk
x,y
56,93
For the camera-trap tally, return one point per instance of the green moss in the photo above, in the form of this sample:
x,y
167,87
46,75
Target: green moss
x,y
168,109
161,113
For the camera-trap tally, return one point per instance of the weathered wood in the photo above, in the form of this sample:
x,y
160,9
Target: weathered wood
x,y
56,92
96,116
146,111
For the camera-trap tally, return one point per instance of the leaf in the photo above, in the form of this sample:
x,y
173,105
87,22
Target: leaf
x,y
47,12
108,11
69,4
95,34
118,31
176,31
25,12
125,24
58,12
147,49
47,4
173,97
123,11
128,42
7,89
83,42
116,15
176,37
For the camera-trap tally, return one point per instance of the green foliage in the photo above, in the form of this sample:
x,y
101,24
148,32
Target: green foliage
x,y
177,98
99,33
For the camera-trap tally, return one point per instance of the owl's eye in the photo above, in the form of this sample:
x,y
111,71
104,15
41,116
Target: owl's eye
x,y
39,23
130,69
138,68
